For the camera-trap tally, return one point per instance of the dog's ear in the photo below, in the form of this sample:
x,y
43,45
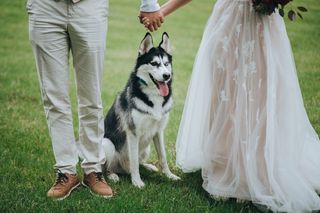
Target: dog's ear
x,y
165,43
146,44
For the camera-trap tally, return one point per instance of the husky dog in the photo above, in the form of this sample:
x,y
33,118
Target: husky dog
x,y
140,113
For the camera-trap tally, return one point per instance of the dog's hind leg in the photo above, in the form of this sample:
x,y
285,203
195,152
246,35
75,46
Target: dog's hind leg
x,y
159,145
109,152
111,159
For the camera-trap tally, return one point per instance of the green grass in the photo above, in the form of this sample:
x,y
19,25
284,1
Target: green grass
x,y
25,149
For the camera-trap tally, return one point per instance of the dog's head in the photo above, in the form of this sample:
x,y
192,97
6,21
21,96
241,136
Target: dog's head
x,y
154,64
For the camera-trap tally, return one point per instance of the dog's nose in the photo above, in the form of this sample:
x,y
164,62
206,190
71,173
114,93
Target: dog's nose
x,y
166,76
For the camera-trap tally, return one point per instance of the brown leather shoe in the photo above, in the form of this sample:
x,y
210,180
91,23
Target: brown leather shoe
x,y
97,184
63,186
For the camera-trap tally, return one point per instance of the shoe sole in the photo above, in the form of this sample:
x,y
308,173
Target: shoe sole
x,y
67,195
95,194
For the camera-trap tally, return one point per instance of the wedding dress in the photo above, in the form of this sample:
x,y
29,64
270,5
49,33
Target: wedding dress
x,y
244,123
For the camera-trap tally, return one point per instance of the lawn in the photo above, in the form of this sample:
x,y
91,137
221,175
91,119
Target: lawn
x,y
25,149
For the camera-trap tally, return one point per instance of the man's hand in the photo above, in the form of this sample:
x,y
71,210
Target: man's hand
x,y
151,20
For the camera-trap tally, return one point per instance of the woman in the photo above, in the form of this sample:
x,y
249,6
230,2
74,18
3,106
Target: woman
x,y
250,133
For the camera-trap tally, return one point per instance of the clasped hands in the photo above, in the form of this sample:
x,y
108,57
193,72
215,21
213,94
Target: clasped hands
x,y
151,20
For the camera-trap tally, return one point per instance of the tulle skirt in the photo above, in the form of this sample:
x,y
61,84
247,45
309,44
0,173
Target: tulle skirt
x,y
244,123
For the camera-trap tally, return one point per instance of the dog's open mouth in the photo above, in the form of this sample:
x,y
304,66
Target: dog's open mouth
x,y
162,86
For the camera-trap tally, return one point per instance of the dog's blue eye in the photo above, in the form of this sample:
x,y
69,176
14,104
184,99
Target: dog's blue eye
x,y
154,64
166,64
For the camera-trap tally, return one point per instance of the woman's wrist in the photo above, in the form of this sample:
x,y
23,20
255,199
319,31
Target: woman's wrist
x,y
172,5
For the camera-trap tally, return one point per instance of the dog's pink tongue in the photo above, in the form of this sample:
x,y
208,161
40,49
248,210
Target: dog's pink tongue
x,y
164,90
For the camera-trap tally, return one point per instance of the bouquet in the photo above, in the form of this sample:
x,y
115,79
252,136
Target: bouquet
x,y
267,7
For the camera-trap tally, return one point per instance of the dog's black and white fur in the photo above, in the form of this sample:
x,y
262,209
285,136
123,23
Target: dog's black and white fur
x,y
140,113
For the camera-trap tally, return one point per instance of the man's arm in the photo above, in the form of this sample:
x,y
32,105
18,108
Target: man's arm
x,y
149,6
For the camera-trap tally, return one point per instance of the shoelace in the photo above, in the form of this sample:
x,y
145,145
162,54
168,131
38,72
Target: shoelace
x,y
99,176
61,177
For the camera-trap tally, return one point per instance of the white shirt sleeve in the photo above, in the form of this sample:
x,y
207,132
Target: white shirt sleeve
x,y
149,6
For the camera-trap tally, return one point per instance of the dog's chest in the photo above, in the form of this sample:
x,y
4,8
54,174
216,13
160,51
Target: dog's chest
x,y
148,125
156,112
148,120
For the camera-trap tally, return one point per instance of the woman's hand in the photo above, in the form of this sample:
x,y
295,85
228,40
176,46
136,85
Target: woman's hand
x,y
151,20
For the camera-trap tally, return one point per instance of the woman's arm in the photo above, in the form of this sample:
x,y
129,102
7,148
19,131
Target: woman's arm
x,y
171,5
166,9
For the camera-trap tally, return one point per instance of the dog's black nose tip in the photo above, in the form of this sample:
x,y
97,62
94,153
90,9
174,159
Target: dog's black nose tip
x,y
166,76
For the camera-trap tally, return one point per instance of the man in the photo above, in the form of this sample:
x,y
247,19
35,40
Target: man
x,y
56,28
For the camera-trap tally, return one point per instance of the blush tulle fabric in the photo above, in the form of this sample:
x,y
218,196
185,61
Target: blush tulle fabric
x,y
244,123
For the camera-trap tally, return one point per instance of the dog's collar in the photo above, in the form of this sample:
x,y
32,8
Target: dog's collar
x,y
142,81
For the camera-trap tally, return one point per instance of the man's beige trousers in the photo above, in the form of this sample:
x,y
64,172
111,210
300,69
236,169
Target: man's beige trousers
x,y
56,29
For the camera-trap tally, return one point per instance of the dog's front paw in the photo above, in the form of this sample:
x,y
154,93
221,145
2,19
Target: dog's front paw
x,y
172,176
137,182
